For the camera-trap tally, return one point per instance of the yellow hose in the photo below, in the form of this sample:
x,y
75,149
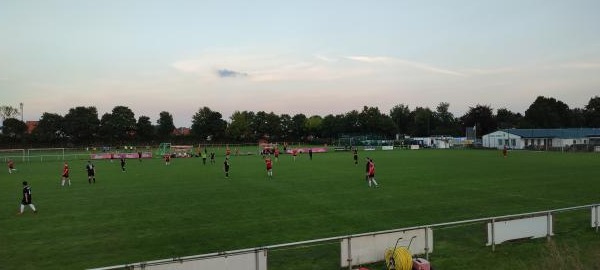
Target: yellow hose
x,y
402,260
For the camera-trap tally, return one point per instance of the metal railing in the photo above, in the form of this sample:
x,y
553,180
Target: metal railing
x,y
257,250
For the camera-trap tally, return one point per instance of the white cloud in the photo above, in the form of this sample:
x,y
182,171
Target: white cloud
x,y
406,63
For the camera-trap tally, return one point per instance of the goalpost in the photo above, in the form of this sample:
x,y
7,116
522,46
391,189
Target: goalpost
x,y
6,154
58,153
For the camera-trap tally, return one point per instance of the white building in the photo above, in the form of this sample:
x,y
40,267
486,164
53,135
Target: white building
x,y
440,142
540,138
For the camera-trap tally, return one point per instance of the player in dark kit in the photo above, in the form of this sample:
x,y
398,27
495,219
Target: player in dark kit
x,y
310,153
226,167
123,164
26,198
355,153
212,158
91,171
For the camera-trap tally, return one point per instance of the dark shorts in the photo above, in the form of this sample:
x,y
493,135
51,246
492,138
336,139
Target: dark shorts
x,y
66,175
23,202
91,173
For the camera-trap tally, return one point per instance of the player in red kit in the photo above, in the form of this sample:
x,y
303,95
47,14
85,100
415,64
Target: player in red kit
x,y
65,175
269,164
11,166
276,153
371,173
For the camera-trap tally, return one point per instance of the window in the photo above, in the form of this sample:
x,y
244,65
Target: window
x,y
513,142
499,141
574,142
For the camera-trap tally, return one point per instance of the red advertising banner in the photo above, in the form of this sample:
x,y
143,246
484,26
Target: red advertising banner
x,y
120,155
305,150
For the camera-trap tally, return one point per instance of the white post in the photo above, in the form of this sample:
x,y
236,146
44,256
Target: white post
x,y
349,253
493,236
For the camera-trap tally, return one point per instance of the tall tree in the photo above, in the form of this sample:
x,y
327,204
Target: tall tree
x,y
144,129
240,129
423,122
481,117
207,123
8,112
351,122
548,113
370,120
165,125
313,125
266,125
592,112
445,122
508,119
285,125
81,124
402,117
299,126
578,118
14,128
331,126
123,120
50,128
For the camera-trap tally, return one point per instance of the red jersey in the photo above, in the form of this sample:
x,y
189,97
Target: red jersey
x,y
11,164
269,164
276,152
294,152
66,170
372,169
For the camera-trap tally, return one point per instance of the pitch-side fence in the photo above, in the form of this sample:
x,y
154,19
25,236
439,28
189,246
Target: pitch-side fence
x,y
370,247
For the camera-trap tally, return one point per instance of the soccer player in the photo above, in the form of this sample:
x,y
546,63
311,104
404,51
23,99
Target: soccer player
x,y
140,156
310,153
226,166
269,164
122,164
204,157
505,151
167,159
91,171
26,199
65,175
11,166
372,174
212,157
276,154
294,153
367,168
355,153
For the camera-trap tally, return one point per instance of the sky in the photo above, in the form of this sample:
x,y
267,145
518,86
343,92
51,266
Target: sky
x,y
315,57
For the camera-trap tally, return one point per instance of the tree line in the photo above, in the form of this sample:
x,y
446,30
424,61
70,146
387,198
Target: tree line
x,y
83,126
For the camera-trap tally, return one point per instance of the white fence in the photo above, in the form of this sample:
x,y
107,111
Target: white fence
x,y
370,247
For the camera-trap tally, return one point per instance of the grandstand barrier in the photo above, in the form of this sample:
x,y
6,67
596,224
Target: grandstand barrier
x,y
367,247
520,228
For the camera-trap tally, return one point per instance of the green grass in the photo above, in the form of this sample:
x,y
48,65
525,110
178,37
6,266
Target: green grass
x,y
155,211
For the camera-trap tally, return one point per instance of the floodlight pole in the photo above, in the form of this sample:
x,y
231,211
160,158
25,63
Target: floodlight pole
x,y
21,107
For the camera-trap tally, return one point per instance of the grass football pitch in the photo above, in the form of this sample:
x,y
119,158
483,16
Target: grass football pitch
x,y
153,211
